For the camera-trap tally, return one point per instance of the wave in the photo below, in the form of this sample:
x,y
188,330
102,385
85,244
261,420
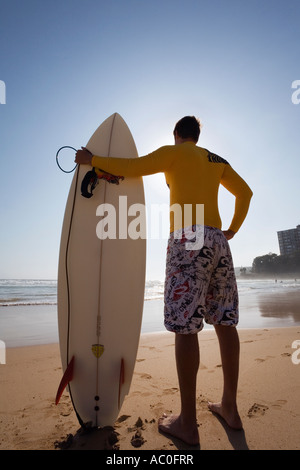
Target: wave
x,y
267,285
25,304
154,290
34,292
28,282
25,292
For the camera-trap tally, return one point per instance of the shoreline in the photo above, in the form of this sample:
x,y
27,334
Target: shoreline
x,y
268,401
207,329
37,324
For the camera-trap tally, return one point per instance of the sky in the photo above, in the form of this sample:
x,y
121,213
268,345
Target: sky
x,y
67,65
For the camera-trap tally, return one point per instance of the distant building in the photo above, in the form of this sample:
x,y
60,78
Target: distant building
x,y
289,240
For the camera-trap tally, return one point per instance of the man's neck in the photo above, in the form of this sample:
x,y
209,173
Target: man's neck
x,y
180,140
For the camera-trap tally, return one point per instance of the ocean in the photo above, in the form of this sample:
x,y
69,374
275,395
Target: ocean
x,y
28,308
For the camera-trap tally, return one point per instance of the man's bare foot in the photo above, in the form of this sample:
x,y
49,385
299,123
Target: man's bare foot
x,y
232,418
173,425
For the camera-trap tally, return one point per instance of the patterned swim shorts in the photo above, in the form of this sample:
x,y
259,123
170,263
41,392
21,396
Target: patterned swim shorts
x,y
200,283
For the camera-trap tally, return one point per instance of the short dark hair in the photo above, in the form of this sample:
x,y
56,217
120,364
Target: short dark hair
x,y
188,127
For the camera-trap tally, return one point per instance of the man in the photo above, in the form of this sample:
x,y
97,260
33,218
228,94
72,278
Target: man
x,y
200,283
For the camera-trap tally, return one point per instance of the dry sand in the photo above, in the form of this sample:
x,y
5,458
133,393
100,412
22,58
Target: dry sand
x,y
268,398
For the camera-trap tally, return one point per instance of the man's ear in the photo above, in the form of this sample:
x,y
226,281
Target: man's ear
x,y
176,137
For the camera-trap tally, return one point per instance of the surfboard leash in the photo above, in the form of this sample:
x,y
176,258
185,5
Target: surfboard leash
x,y
91,178
59,151
68,293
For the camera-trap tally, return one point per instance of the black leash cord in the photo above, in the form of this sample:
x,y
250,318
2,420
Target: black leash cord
x,y
65,147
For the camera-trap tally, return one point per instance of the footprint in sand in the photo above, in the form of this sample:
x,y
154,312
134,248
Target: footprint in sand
x,y
143,375
278,404
257,410
151,348
171,390
146,376
260,359
122,418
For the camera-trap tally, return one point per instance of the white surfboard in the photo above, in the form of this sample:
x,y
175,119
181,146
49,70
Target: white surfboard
x,y
100,287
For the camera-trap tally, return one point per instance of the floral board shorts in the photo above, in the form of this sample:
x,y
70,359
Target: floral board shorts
x,y
200,283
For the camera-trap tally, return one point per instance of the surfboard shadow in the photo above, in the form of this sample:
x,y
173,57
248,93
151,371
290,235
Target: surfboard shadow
x,y
91,439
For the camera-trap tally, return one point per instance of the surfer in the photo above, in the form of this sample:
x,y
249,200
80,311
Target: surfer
x,y
200,283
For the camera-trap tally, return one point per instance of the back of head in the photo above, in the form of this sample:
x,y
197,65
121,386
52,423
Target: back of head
x,y
188,127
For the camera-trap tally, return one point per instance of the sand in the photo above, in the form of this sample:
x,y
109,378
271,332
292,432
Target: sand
x,y
268,398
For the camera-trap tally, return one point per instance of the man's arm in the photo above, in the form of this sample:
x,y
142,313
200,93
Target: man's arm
x,y
229,234
156,162
243,194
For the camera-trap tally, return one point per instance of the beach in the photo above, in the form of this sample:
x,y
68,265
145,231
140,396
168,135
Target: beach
x,y
268,397
269,384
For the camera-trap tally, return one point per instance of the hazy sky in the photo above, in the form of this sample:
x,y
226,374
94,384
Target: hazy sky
x,y
67,65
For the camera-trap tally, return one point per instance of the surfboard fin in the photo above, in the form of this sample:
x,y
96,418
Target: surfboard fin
x,y
121,380
67,377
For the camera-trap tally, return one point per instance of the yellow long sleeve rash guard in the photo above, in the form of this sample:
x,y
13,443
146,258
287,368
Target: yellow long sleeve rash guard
x,y
193,175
